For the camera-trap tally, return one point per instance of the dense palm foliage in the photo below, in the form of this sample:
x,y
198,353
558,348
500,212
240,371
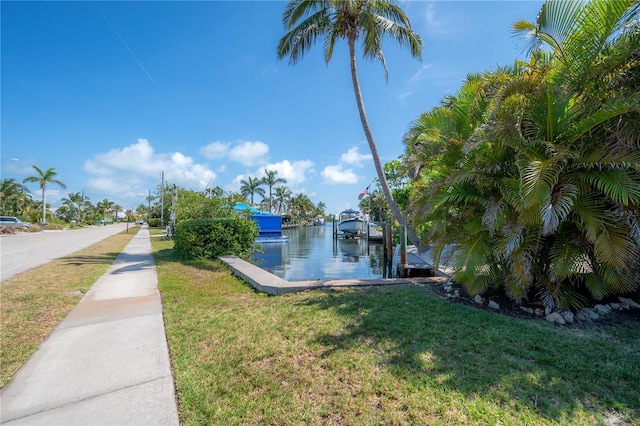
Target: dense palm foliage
x,y
75,208
532,173
366,20
14,198
105,207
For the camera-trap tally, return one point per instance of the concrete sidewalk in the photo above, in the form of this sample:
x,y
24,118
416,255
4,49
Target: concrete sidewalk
x,y
107,363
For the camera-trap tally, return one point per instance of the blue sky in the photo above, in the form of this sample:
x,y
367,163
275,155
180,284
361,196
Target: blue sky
x,y
113,93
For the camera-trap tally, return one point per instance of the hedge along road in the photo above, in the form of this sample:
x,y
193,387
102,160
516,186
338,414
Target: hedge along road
x,y
26,250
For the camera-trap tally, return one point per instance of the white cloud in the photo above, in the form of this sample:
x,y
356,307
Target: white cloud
x,y
340,173
434,25
354,157
412,84
120,171
336,175
249,153
295,173
215,150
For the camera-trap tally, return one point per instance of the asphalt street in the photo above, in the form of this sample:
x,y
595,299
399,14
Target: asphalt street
x,y
26,250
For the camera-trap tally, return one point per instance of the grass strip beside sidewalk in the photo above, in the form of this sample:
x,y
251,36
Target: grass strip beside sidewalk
x,y
33,303
384,355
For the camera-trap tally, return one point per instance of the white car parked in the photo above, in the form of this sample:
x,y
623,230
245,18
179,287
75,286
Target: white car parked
x,y
13,222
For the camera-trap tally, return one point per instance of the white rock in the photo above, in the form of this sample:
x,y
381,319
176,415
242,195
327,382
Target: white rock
x,y
478,299
555,317
587,314
539,312
615,306
629,302
568,317
493,305
602,309
527,310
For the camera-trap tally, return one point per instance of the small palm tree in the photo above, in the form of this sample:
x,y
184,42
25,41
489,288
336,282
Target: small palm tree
x,y
251,186
42,178
368,20
281,198
271,180
105,206
12,197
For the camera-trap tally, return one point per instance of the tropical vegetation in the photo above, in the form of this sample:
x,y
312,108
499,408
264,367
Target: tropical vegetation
x,y
530,174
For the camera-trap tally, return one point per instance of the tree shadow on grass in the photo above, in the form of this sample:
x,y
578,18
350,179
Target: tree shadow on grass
x,y
168,255
84,260
549,370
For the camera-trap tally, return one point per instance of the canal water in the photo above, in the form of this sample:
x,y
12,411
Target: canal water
x,y
313,254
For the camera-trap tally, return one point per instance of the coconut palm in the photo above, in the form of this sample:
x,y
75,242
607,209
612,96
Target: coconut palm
x,y
301,207
105,207
42,178
251,186
281,198
368,20
270,179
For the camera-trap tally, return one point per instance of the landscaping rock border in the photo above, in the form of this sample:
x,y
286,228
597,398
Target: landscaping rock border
x,y
593,314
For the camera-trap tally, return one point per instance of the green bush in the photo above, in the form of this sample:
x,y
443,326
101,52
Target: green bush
x,y
212,238
154,222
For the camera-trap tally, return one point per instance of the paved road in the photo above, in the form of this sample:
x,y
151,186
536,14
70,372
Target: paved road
x,y
26,250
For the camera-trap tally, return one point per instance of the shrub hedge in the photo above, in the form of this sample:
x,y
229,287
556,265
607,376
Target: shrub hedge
x,y
212,238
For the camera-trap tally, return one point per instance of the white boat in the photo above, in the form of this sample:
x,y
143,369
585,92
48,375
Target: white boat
x,y
318,221
351,224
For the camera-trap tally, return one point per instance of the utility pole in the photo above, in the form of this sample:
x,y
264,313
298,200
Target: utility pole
x,y
174,200
162,201
149,207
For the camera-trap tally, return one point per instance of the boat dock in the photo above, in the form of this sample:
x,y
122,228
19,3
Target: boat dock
x,y
268,283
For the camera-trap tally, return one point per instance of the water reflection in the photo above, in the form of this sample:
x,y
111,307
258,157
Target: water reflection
x,y
312,254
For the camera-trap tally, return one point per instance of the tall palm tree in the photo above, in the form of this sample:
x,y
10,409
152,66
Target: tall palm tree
x,y
271,180
251,186
42,178
369,20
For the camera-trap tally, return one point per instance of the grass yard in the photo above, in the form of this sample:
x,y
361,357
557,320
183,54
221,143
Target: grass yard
x,y
384,356
33,303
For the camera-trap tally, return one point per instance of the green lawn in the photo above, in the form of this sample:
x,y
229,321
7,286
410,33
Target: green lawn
x,y
384,355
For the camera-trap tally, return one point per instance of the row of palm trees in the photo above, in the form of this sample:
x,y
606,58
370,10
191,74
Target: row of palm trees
x,y
16,200
280,199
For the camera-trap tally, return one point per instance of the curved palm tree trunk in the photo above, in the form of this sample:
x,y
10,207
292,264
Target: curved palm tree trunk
x,y
374,150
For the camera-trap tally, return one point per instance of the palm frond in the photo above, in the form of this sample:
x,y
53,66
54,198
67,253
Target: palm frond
x,y
558,207
521,276
538,177
620,185
615,247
